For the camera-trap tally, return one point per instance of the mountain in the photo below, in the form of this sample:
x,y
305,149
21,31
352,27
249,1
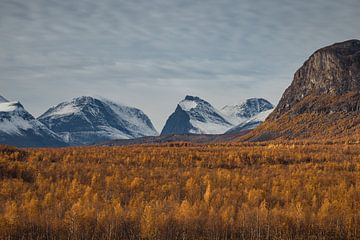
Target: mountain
x,y
245,111
194,115
87,120
19,128
250,123
197,116
323,100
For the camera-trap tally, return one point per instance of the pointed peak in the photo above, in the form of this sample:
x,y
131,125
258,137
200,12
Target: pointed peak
x,y
191,102
83,99
192,98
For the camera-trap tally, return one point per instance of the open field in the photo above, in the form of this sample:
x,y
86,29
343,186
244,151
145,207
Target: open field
x,y
182,191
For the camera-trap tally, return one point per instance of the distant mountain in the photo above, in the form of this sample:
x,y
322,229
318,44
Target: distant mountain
x,y
87,120
194,115
250,123
197,116
21,129
323,100
243,112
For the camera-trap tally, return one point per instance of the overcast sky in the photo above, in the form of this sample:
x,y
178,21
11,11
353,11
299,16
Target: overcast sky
x,y
151,53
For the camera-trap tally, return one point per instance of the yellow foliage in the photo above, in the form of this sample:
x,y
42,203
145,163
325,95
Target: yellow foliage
x,y
276,190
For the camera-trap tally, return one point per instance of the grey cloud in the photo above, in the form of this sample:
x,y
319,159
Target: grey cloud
x,y
151,53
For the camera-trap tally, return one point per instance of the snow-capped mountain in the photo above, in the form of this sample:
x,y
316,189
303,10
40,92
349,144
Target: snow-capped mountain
x,y
243,112
197,116
87,120
250,123
21,129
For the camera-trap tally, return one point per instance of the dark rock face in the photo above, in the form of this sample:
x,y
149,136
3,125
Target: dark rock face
x,y
332,71
177,123
195,116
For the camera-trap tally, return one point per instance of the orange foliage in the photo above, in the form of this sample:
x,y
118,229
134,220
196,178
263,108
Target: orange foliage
x,y
182,191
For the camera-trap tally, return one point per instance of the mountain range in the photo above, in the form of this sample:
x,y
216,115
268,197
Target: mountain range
x,y
88,120
323,101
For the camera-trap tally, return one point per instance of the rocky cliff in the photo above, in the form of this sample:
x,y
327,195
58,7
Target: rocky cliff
x,y
323,99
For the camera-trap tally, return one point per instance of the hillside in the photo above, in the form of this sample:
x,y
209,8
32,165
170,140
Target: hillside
x,y
323,100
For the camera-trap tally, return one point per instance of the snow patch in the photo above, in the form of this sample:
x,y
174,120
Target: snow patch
x,y
9,106
187,105
208,127
14,125
65,110
262,115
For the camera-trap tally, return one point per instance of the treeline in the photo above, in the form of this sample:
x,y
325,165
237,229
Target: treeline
x,y
182,191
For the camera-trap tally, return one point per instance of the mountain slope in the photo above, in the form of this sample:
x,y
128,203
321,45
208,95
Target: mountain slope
x,y
197,116
21,129
250,123
87,120
323,100
243,112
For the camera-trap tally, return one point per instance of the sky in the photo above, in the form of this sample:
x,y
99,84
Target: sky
x,y
151,53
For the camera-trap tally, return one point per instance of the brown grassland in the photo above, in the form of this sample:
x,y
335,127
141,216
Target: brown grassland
x,y
297,190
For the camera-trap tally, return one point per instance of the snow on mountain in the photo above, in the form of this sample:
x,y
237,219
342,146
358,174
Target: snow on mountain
x,y
87,120
20,128
251,123
9,106
197,116
242,112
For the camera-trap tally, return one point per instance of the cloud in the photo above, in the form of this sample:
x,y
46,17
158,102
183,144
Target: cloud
x,y
151,53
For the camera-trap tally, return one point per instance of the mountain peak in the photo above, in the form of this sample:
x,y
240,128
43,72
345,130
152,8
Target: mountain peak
x,y
247,109
196,116
345,47
83,99
85,120
323,100
192,98
19,128
333,70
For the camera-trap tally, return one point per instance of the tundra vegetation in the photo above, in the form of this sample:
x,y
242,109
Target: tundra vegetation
x,y
273,190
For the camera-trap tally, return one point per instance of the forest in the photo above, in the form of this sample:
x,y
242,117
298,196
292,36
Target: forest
x,y
271,190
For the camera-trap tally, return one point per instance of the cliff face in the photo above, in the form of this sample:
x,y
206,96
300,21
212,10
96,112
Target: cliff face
x,y
323,100
331,71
